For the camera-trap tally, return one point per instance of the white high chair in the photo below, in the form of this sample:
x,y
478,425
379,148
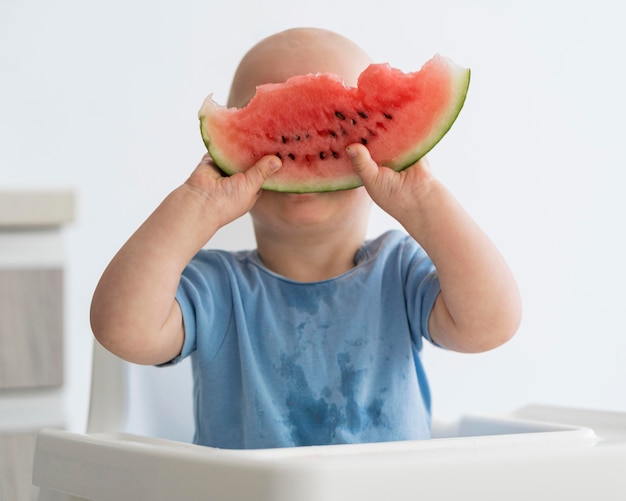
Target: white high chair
x,y
537,452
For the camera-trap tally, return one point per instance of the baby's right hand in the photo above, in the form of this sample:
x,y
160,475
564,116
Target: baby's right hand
x,y
232,196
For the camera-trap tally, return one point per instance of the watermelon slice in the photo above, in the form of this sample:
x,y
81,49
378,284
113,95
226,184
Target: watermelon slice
x,y
310,119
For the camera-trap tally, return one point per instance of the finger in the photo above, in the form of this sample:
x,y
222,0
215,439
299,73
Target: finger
x,y
207,160
206,169
424,163
262,170
362,162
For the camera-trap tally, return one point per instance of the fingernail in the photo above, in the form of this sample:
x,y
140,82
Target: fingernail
x,y
351,152
275,163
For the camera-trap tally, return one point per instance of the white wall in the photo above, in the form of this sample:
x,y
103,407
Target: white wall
x,y
102,97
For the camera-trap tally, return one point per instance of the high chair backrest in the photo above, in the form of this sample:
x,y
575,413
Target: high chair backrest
x,y
143,400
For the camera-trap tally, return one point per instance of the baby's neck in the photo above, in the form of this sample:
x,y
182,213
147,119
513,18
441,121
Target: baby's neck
x,y
310,259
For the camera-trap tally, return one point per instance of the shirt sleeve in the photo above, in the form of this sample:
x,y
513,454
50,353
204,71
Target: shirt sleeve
x,y
205,299
421,288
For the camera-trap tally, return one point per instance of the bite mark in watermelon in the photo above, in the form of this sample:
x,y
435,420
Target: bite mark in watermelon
x,y
310,119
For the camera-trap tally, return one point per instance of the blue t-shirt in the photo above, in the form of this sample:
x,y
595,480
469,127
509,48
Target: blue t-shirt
x,y
280,363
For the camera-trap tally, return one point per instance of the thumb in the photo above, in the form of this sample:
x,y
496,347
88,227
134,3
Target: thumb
x,y
262,170
362,162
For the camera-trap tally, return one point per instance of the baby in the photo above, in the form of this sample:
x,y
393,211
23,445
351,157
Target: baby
x,y
315,336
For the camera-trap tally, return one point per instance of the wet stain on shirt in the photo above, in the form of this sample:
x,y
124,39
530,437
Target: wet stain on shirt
x,y
313,421
305,299
318,418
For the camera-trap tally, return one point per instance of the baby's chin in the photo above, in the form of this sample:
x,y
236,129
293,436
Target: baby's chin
x,y
302,199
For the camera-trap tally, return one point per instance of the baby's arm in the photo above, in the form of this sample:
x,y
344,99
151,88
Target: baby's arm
x,y
479,307
134,312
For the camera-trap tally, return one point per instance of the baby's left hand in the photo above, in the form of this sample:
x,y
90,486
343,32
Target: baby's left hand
x,y
479,307
397,193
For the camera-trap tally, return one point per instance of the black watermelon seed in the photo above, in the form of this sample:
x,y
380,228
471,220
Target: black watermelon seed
x,y
335,154
322,155
362,114
340,115
278,155
363,140
292,156
283,139
353,121
387,116
333,133
297,138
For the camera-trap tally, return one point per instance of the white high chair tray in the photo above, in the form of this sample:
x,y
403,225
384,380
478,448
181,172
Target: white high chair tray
x,y
535,453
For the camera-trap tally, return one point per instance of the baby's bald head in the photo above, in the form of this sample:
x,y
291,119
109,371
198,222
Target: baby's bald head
x,y
297,51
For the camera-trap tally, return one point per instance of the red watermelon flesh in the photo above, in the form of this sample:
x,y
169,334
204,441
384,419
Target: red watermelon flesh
x,y
310,119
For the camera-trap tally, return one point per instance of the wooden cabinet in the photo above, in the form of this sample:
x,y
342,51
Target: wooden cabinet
x,y
31,329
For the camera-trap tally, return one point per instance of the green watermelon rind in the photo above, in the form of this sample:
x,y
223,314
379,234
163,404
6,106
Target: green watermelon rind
x,y
460,85
316,186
